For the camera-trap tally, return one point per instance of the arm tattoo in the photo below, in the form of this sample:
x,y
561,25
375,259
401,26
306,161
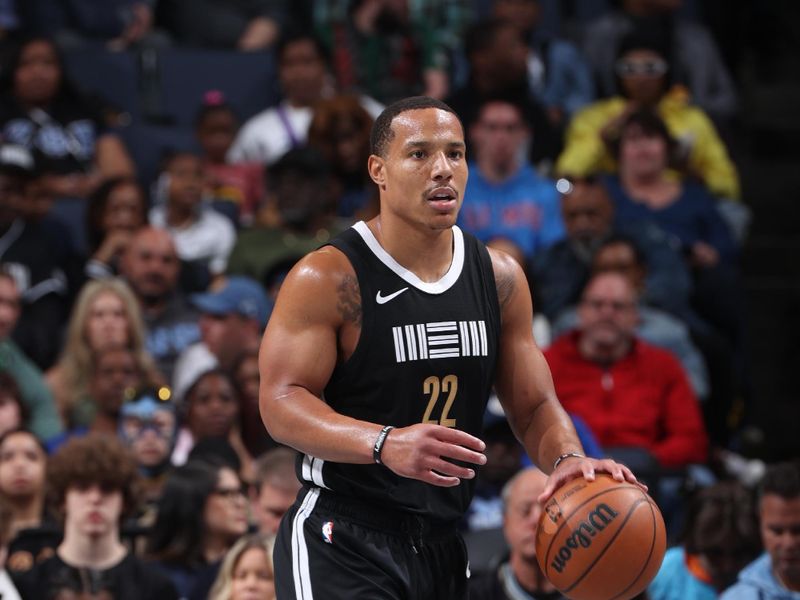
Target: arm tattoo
x,y
505,287
349,303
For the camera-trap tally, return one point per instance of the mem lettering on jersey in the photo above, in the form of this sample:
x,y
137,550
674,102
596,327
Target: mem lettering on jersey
x,y
444,339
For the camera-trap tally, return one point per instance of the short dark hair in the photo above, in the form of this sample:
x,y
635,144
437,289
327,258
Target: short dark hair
x,y
625,240
94,459
781,479
652,125
481,36
294,35
722,514
306,161
382,134
511,97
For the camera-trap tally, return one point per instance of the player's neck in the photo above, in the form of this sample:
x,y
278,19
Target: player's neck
x,y
428,254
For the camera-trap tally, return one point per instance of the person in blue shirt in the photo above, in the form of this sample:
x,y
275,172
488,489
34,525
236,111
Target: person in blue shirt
x,y
720,537
507,204
775,575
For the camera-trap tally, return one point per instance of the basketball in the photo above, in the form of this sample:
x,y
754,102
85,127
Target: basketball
x,y
601,539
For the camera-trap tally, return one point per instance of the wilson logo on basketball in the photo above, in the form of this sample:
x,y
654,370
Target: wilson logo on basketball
x,y
581,536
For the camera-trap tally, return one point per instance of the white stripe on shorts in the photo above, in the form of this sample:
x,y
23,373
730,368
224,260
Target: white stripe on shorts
x,y
300,571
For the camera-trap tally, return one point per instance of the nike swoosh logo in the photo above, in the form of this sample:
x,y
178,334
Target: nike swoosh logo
x,y
384,299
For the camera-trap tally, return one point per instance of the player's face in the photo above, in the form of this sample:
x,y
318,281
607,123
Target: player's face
x,y
780,532
423,176
521,518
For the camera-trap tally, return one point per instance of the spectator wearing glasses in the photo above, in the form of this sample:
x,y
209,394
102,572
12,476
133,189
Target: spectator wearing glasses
x,y
634,397
645,79
620,254
201,514
92,487
698,63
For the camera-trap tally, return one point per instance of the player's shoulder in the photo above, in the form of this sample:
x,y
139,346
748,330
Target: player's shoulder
x,y
323,270
508,275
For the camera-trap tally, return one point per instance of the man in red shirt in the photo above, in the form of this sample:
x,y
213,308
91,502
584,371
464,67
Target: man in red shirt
x,y
635,397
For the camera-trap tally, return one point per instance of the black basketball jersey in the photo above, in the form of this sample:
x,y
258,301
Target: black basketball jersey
x,y
426,353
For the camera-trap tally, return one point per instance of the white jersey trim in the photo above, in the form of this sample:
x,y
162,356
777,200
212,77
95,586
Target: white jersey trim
x,y
300,566
436,287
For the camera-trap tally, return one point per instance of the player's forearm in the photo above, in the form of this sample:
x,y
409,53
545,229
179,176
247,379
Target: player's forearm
x,y
296,417
549,434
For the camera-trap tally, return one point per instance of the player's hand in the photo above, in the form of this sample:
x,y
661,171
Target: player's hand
x,y
574,467
424,452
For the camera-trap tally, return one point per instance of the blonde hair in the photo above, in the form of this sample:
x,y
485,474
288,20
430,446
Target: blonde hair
x,y
221,590
77,358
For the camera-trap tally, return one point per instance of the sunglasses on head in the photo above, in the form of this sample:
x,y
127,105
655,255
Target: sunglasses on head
x,y
648,68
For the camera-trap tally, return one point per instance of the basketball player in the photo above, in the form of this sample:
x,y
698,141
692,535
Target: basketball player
x,y
377,364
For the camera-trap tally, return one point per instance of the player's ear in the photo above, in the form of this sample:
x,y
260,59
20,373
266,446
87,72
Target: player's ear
x,y
376,167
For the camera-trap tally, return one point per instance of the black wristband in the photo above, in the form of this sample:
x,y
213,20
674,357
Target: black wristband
x,y
379,441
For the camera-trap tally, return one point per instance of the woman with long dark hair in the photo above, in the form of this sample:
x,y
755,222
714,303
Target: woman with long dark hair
x,y
201,514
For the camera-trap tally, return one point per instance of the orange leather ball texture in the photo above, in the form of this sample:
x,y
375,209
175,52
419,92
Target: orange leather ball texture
x,y
601,539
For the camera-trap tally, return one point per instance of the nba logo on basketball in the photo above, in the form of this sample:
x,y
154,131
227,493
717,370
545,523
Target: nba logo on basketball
x,y
553,510
327,532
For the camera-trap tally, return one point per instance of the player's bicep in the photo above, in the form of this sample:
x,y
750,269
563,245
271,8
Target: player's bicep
x,y
299,347
522,379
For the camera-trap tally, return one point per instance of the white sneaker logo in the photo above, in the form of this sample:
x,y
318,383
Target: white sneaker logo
x,y
384,299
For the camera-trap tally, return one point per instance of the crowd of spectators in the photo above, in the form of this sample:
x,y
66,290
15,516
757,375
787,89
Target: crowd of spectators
x,y
133,459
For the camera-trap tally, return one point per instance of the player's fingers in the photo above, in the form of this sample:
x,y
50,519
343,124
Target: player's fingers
x,y
460,438
447,468
439,480
548,491
460,453
587,468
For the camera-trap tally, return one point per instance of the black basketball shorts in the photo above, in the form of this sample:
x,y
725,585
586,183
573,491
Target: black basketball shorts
x,y
334,548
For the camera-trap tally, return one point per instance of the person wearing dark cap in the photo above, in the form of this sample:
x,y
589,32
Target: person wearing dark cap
x,y
644,73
